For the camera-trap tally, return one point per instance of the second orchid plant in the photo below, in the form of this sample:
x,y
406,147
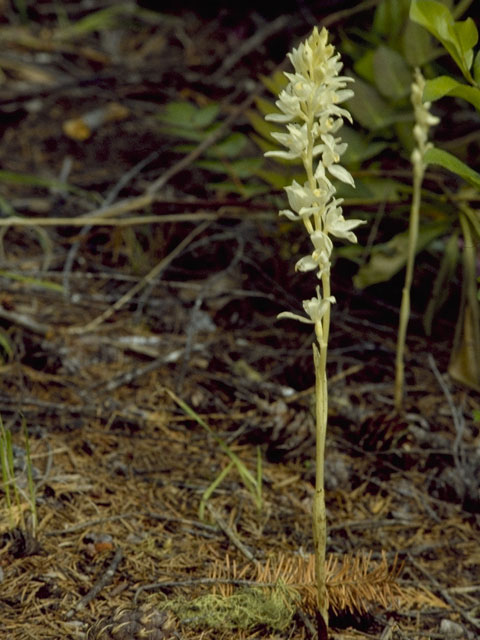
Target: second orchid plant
x,y
310,108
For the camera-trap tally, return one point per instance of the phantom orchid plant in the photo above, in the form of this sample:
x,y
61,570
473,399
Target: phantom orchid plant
x,y
423,121
309,107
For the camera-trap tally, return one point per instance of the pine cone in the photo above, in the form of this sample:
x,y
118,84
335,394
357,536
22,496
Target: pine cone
x,y
133,624
288,430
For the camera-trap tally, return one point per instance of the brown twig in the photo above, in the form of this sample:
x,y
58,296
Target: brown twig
x,y
231,535
445,595
154,273
105,579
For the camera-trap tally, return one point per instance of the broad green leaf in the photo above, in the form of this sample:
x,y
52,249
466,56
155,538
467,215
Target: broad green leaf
x,y
185,134
369,108
438,20
387,259
416,45
352,252
364,66
371,190
205,116
241,168
465,358
432,15
389,18
476,68
275,179
229,147
404,135
467,36
448,161
177,114
265,106
187,116
248,190
265,146
275,83
360,147
392,75
446,86
263,127
443,279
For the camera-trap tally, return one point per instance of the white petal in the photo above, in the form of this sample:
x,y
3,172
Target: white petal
x,y
294,316
306,264
341,173
286,155
288,214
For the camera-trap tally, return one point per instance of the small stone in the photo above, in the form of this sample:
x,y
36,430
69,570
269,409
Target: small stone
x,y
451,629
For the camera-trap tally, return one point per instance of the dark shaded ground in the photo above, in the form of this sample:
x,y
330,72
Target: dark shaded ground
x,y
106,322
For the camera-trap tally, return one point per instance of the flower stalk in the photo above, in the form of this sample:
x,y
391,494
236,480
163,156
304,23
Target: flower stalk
x,y
310,109
423,121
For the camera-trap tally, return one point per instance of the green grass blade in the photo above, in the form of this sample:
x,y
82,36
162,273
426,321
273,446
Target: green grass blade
x,y
43,284
245,474
30,482
211,488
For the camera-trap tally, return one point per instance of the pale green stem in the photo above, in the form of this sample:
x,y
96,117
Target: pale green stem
x,y
418,172
322,330
321,418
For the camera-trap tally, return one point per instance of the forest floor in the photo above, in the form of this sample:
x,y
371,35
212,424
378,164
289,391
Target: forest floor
x,y
142,353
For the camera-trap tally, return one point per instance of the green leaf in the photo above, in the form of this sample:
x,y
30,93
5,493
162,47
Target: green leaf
x,y
404,135
360,147
275,83
275,179
229,147
389,18
243,190
369,108
448,161
416,45
387,259
443,280
446,86
371,190
265,106
100,20
476,68
6,208
30,280
456,37
263,127
13,177
364,66
186,115
186,134
391,72
266,146
467,36
6,346
474,219
241,168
